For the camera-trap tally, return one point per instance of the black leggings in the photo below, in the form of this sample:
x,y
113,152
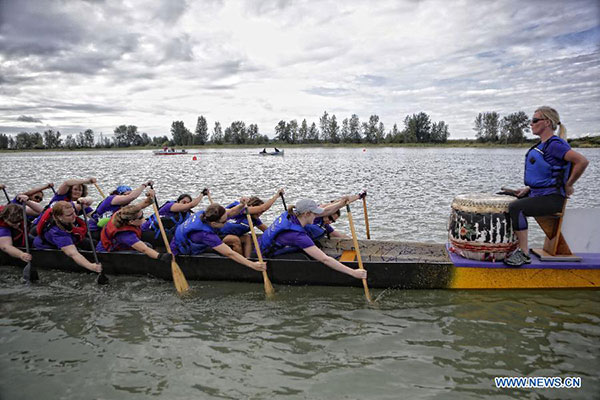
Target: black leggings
x,y
533,207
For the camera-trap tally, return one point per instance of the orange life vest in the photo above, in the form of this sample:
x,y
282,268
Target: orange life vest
x,y
109,233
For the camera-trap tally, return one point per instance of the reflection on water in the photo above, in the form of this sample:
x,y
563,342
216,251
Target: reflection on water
x,y
136,338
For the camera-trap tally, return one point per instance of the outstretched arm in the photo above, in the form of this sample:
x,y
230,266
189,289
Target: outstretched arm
x,y
227,251
178,207
64,187
38,189
332,263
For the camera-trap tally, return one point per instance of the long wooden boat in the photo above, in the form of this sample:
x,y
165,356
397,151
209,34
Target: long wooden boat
x,y
402,265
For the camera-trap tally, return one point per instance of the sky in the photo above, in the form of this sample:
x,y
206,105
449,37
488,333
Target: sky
x,y
77,65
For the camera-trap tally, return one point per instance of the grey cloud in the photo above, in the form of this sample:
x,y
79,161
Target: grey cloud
x,y
169,11
179,49
27,118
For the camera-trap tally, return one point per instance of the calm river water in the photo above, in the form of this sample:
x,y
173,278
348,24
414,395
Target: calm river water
x,y
67,338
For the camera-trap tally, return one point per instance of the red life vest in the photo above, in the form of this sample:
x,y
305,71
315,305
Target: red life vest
x,y
46,222
109,233
16,234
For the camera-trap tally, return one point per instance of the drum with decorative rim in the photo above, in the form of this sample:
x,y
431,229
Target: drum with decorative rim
x,y
480,227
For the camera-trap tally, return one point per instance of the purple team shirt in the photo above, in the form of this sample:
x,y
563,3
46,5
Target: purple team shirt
x,y
125,240
55,238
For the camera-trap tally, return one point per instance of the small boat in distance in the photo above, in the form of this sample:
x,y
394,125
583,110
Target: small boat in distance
x,y
169,152
276,152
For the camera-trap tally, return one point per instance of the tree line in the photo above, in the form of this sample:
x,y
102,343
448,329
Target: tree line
x,y
417,128
490,128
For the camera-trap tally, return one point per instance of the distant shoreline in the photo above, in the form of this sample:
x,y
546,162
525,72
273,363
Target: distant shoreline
x,y
576,143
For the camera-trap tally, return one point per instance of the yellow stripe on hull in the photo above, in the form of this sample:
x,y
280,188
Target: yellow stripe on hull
x,y
523,278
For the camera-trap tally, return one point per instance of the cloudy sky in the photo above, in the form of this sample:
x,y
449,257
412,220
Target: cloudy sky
x,y
73,65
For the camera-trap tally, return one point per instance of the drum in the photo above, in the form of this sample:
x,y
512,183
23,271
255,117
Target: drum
x,y
480,227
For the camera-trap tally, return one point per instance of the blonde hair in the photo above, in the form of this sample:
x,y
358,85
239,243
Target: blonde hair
x,y
58,210
552,115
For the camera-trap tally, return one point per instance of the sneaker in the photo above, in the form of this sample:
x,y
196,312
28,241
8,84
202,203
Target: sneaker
x,y
517,258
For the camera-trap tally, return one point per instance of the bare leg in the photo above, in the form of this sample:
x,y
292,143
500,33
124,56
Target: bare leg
x,y
247,245
522,237
234,242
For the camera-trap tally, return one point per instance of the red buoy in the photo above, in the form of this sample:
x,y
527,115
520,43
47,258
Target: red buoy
x,y
194,158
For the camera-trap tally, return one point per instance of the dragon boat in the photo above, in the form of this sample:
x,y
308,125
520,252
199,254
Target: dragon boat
x,y
390,264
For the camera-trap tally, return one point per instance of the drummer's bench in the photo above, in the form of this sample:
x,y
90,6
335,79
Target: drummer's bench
x,y
555,246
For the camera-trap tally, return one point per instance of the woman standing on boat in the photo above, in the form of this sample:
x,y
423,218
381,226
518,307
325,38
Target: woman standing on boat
x,y
120,197
235,229
551,170
11,228
123,232
62,229
287,235
199,234
172,213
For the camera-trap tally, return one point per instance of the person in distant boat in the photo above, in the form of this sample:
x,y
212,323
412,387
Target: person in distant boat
x,y
12,229
234,232
172,213
551,170
321,226
276,150
120,197
287,235
264,150
60,228
123,231
199,234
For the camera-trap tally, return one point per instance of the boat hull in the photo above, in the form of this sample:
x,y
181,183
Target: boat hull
x,y
389,265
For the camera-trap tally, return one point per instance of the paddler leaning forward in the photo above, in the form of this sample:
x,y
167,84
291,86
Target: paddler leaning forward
x,y
287,235
200,233
123,233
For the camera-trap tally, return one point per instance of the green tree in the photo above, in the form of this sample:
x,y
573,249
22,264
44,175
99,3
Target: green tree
x,y
371,129
439,132
354,127
293,129
201,132
324,123
334,130
125,135
345,131
253,135
217,134
514,127
417,128
313,134
303,132
52,139
282,132
380,133
487,126
181,135
3,141
239,134
396,135
70,142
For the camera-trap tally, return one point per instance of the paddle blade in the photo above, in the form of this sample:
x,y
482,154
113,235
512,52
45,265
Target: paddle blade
x,y
178,278
268,287
102,279
30,273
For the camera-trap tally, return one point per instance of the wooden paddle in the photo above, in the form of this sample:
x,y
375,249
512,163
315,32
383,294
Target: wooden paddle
x,y
364,199
357,249
268,287
178,278
99,190
30,273
102,279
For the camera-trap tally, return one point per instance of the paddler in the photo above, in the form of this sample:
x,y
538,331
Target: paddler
x,y
11,228
287,235
199,234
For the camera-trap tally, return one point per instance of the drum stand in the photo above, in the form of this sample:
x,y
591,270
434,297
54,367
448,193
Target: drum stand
x,y
555,246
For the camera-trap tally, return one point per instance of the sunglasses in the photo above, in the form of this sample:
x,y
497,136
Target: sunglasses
x,y
536,120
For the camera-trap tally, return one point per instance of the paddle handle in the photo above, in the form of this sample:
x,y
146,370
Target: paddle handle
x,y
366,217
357,249
102,278
26,235
99,190
283,200
6,194
268,286
161,227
